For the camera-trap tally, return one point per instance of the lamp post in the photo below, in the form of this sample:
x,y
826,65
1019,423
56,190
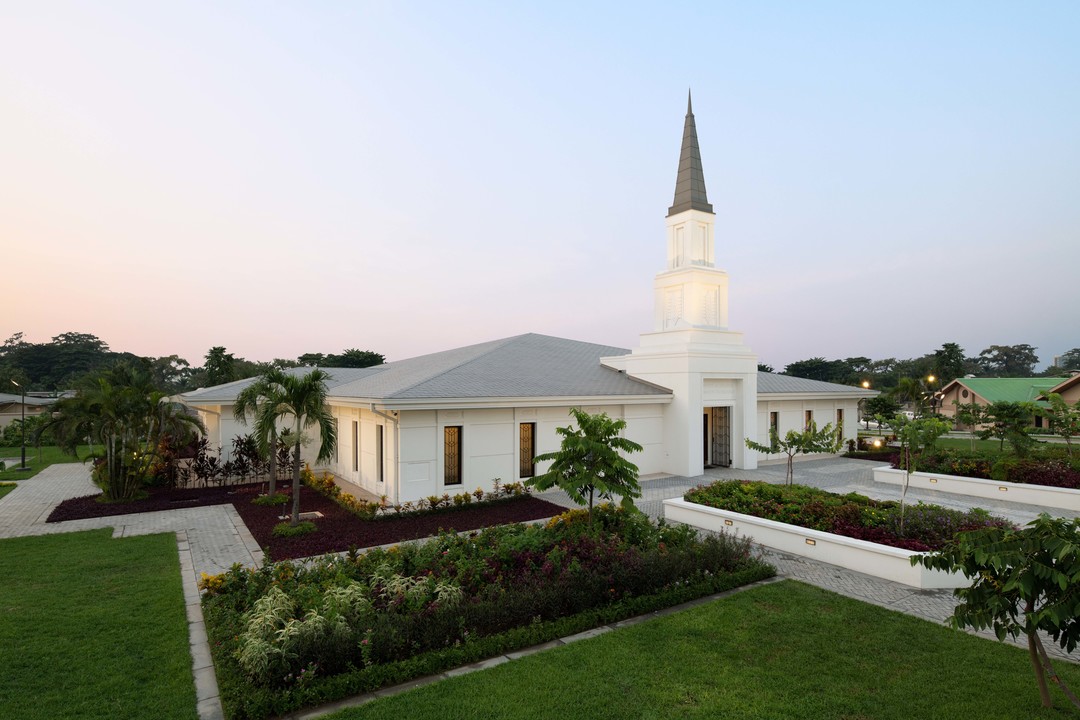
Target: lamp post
x,y
862,401
22,427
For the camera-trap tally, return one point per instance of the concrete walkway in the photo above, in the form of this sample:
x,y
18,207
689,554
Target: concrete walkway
x,y
212,539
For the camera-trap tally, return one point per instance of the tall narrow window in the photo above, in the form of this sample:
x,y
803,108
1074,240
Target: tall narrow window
x,y
380,472
452,455
809,419
840,421
355,446
526,450
774,421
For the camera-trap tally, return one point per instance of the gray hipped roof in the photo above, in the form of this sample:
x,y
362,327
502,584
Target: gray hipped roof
x,y
524,366
773,384
690,183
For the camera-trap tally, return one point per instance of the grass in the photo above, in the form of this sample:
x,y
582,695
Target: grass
x,y
785,650
37,460
92,627
6,487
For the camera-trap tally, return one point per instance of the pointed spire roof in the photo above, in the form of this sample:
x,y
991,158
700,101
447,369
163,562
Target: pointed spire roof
x,y
690,183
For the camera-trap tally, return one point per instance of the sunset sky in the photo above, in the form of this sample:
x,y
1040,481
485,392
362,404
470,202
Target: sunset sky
x,y
407,177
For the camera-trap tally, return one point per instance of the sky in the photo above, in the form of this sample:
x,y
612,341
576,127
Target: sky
x,y
408,177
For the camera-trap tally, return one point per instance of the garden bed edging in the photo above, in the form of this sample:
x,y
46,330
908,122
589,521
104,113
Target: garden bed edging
x,y
1044,495
859,555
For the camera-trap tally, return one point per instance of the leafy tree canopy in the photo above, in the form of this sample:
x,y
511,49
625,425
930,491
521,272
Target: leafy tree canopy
x,y
350,358
1009,360
1023,581
591,461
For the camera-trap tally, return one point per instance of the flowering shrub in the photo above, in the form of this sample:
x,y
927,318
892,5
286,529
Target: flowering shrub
x,y
324,485
926,527
453,596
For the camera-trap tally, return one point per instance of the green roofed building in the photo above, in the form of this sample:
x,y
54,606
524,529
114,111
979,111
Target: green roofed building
x,y
986,391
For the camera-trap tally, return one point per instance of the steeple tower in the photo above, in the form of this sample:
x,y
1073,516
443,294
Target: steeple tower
x,y
690,184
692,292
710,371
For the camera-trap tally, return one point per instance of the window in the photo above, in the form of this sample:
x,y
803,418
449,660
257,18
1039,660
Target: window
x,y
840,421
452,455
809,419
774,421
355,446
526,450
379,465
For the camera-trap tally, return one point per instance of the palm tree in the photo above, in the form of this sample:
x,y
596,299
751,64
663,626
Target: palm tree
x,y
303,399
119,409
254,398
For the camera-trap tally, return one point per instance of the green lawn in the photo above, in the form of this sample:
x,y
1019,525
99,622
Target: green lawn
x,y
49,455
6,487
781,651
92,627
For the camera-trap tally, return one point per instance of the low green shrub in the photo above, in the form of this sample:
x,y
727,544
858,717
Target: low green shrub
x,y
289,635
278,498
287,529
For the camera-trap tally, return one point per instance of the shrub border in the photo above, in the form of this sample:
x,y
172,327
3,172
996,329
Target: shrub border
x,y
241,701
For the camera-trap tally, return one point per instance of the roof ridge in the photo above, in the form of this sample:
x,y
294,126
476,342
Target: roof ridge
x,y
496,345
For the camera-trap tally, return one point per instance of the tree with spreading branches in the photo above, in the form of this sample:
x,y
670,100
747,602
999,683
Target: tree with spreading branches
x,y
261,395
795,442
1023,581
591,463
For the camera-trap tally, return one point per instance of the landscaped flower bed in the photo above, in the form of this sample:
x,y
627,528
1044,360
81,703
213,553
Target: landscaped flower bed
x,y
290,636
337,529
925,527
1050,467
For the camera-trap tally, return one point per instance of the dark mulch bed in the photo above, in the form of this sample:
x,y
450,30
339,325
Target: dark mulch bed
x,y
338,529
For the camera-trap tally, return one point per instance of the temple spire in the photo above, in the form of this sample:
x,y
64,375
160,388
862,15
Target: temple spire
x,y
690,183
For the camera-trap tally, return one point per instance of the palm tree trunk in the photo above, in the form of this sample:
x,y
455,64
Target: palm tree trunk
x,y
296,485
273,462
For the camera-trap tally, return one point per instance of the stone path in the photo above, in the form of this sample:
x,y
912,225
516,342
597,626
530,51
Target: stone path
x,y
212,539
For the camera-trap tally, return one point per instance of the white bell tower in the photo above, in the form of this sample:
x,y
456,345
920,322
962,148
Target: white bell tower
x,y
712,374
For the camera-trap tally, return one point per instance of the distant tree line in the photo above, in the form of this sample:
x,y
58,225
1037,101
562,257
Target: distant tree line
x,y
946,364
68,358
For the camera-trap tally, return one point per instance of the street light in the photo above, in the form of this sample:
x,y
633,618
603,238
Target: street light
x,y
23,427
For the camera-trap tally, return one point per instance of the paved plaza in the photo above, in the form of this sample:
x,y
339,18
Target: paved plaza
x,y
212,539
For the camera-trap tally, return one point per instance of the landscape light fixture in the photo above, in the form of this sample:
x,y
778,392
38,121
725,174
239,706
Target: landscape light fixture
x,y
22,390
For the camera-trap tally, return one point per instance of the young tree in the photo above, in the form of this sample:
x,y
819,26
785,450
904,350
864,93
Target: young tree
x,y
1023,581
261,395
810,440
1064,418
302,400
971,414
915,437
1010,421
590,461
